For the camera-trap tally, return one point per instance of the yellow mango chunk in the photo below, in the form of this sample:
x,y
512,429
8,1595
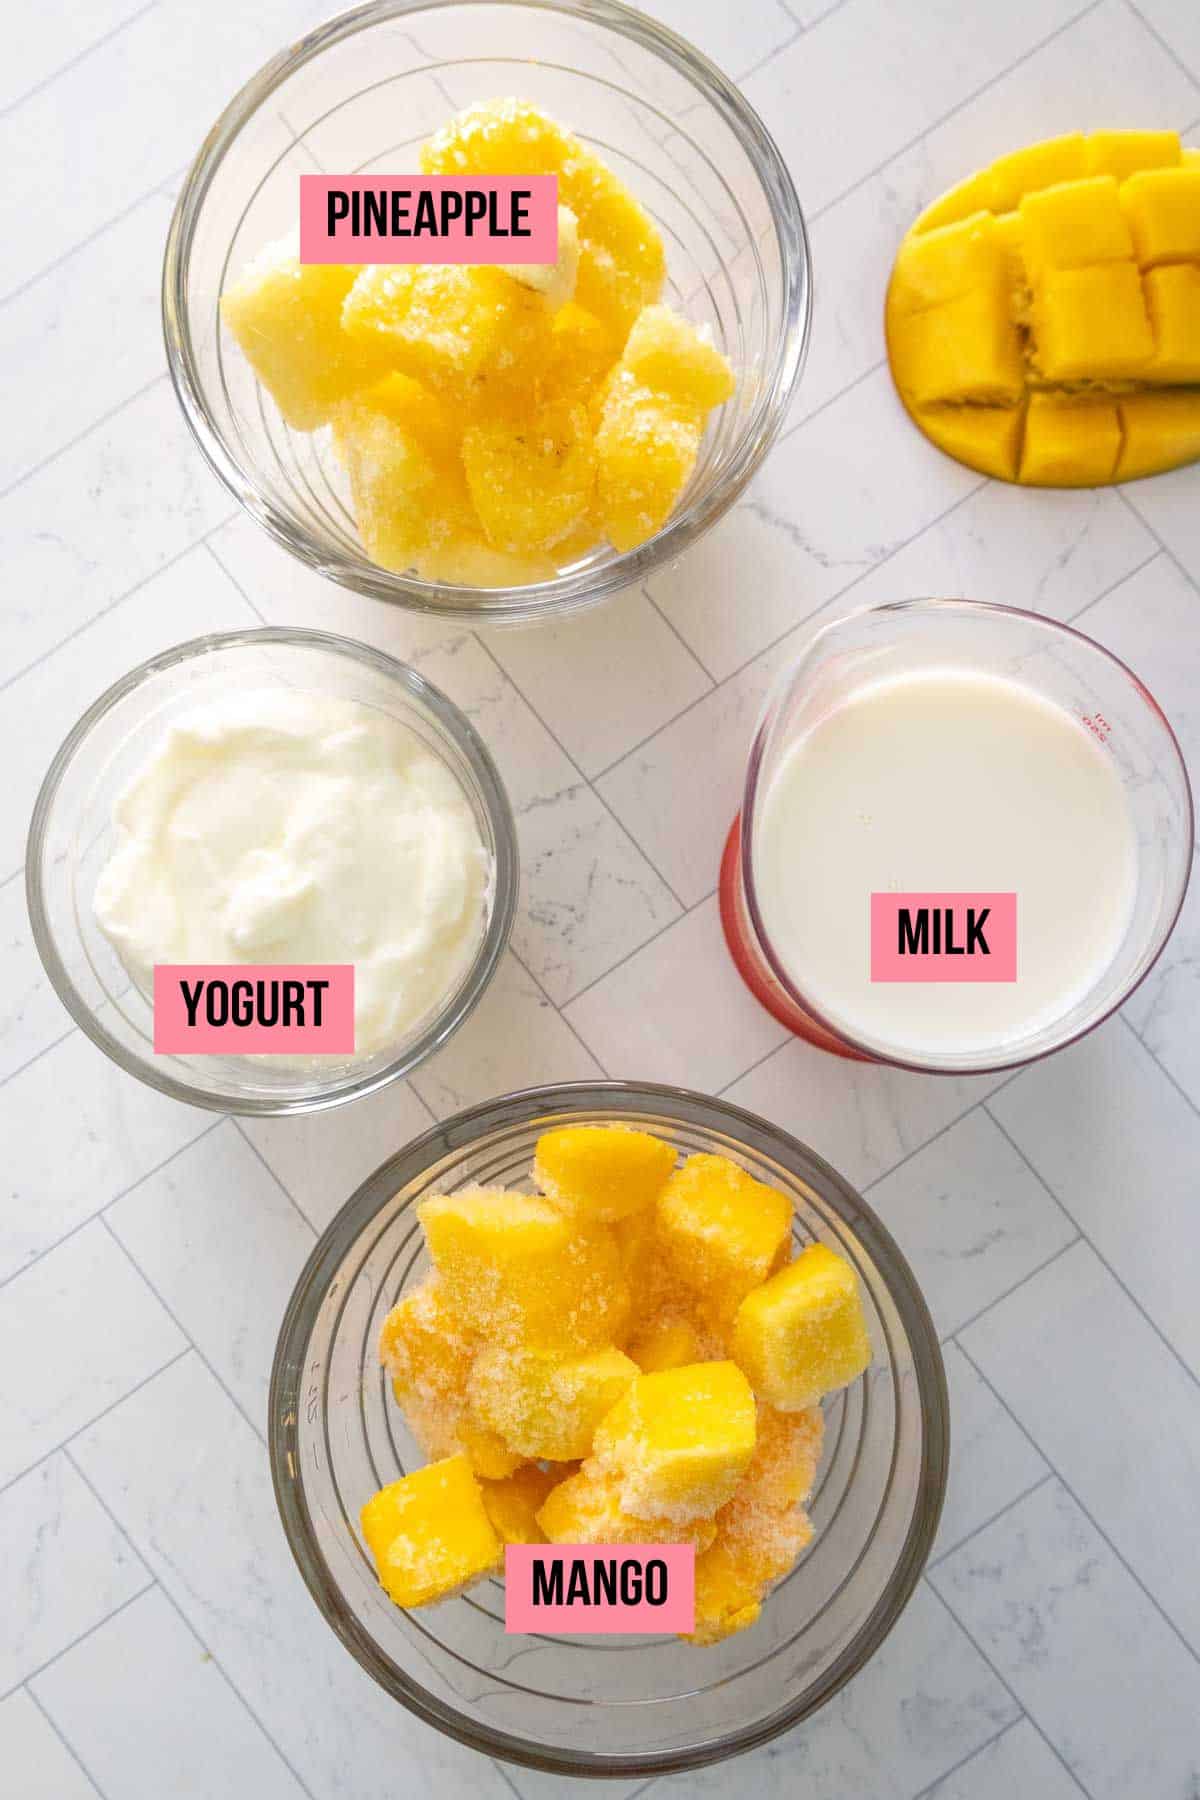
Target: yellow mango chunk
x,y
802,1334
984,437
1163,209
646,449
668,355
677,1441
666,1344
430,1534
602,1172
787,1453
966,349
1123,153
1070,226
1173,302
518,1270
1092,323
970,196
587,1508
547,1407
428,1353
1037,166
287,319
722,1231
512,1504
1070,443
1161,431
531,484
933,267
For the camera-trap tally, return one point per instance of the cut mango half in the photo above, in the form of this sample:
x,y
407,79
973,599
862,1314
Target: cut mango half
x,y
1043,317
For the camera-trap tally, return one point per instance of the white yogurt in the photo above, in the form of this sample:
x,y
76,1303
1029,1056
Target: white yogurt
x,y
945,781
287,827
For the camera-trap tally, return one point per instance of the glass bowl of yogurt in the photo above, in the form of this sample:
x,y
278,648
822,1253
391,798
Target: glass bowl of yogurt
x,y
965,838
279,802
362,92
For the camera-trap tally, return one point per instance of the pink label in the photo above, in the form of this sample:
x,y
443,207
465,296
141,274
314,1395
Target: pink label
x,y
428,218
234,1009
599,1588
943,937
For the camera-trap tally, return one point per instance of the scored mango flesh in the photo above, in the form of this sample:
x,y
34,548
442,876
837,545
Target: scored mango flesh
x,y
496,424
1043,317
623,1358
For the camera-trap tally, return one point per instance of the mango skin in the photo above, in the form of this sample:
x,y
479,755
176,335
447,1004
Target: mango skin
x,y
1043,316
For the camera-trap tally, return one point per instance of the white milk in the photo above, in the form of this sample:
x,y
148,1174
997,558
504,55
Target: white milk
x,y
951,782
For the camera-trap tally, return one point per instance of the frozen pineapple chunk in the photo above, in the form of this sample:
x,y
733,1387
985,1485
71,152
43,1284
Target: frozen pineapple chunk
x,y
430,1534
587,1508
802,1333
1161,431
646,449
677,1441
547,1407
287,319
670,356
1163,209
984,437
1173,301
1070,226
1092,324
602,1172
428,1353
512,1504
668,1343
1123,153
555,281
1070,442
519,1271
933,267
582,351
400,452
466,332
722,1231
531,481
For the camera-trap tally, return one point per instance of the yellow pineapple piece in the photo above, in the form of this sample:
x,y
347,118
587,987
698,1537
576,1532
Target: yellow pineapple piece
x,y
1163,209
430,1534
646,449
1123,153
287,319
460,330
399,448
722,1231
1173,301
1077,223
468,559
531,481
803,1333
670,356
543,1406
602,1172
1161,431
678,1440
555,281
984,437
936,266
1092,323
1037,166
512,1504
964,349
582,351
428,1353
587,1508
1069,442
519,1271
668,1343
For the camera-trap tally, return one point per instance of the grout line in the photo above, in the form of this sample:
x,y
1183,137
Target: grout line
x,y
660,931
1157,1060
159,187
1112,587
832,399
688,651
16,873
790,1038
971,1639
37,1055
171,1314
1119,1279
79,56
230,576
930,1792
1086,1511
95,424
951,1337
211,1655
560,1011
1166,549
1163,42
756,68
1049,1475
276,1178
63,1740
83,1635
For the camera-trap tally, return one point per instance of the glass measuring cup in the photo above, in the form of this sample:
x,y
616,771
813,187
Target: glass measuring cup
x,y
1054,663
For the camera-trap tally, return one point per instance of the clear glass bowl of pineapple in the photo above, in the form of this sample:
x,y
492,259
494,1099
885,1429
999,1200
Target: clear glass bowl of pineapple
x,y
481,442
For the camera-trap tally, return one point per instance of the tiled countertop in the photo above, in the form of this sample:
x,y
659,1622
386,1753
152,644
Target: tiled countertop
x,y
154,1636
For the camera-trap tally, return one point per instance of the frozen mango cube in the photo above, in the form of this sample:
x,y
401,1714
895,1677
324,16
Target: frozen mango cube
x,y
512,1504
427,1351
787,1453
984,437
1037,166
646,449
933,267
802,1333
722,1231
518,1270
430,1534
677,1441
1070,442
602,1171
965,349
1123,153
1161,431
1163,209
1077,223
1173,301
287,319
587,1508
555,281
1092,324
532,481
547,1407
670,356
666,1344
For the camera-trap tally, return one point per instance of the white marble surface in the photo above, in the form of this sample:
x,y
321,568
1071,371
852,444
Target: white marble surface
x,y
154,1637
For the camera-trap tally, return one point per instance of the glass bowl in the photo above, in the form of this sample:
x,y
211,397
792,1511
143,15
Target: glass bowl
x,y
71,837
611,1706
361,93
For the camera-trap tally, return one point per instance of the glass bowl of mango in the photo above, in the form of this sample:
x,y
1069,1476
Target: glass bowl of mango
x,y
491,442
609,1314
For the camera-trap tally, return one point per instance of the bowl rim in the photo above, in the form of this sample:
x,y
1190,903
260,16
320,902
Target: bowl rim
x,y
567,592
449,719
408,1164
